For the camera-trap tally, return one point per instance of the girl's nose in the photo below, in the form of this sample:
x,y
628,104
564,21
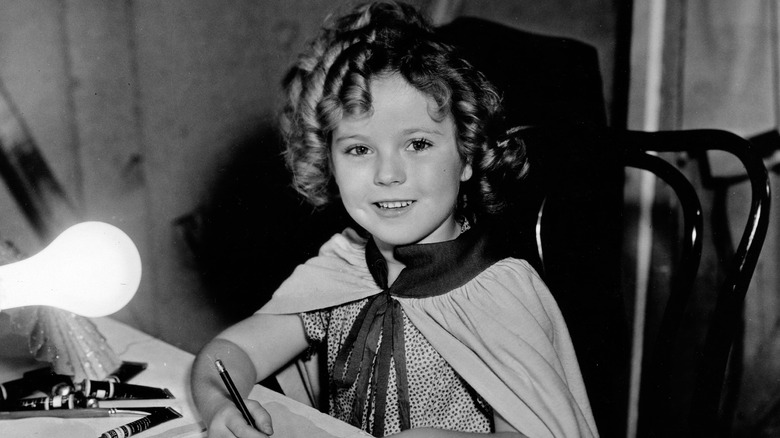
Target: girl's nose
x,y
389,170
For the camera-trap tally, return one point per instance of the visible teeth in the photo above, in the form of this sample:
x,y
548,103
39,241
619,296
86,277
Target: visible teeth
x,y
394,204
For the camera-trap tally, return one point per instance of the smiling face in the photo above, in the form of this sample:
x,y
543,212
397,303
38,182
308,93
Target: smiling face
x,y
398,169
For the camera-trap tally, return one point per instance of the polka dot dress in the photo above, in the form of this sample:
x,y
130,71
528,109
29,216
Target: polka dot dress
x,y
438,396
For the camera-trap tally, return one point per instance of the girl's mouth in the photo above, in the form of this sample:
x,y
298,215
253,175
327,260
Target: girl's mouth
x,y
390,205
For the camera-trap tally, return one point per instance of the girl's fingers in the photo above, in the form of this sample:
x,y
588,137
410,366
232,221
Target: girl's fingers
x,y
261,416
229,422
239,428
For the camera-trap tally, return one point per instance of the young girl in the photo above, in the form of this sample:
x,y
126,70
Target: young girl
x,y
428,329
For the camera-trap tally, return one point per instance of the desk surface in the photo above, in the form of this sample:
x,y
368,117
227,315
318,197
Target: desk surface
x,y
168,367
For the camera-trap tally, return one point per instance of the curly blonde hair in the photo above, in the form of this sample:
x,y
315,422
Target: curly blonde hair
x,y
331,80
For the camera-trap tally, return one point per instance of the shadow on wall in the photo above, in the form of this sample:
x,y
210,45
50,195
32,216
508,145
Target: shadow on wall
x,y
255,228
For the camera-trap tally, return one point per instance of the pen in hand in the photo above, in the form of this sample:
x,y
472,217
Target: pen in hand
x,y
231,387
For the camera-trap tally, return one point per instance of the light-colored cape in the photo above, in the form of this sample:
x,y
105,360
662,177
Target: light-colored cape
x,y
502,332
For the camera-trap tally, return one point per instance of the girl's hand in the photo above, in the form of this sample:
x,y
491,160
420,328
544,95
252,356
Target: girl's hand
x,y
249,360
229,423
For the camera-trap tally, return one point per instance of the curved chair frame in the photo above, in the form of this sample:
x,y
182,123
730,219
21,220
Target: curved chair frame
x,y
638,149
704,417
704,414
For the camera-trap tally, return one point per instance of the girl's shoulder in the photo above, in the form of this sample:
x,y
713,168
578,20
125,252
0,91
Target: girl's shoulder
x,y
347,245
511,267
514,276
338,274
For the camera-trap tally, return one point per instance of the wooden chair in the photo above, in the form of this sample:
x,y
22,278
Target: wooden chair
x,y
568,166
704,417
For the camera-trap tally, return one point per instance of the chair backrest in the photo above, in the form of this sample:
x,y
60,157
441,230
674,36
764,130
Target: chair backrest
x,y
561,179
543,79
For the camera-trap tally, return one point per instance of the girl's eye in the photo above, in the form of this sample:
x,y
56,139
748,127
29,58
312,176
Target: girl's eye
x,y
358,150
419,145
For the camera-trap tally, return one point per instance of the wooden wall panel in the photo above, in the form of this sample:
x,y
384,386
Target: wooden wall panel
x,y
34,73
727,66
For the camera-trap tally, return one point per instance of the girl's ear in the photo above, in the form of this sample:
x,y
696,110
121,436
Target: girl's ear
x,y
465,173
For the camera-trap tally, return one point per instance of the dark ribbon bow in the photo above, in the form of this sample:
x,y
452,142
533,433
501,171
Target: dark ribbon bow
x,y
377,336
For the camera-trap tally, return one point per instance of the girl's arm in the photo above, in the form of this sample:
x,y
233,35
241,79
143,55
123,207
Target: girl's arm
x,y
503,430
251,350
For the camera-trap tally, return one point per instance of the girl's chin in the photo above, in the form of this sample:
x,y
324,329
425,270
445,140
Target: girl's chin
x,y
406,238
390,237
392,241
388,234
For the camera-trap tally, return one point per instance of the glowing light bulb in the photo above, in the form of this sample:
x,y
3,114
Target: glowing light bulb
x,y
92,269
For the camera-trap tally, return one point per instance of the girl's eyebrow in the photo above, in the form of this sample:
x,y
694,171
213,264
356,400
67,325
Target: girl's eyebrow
x,y
349,137
408,131
424,130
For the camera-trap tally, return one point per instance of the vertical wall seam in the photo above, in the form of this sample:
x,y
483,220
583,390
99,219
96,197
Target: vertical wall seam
x,y
774,60
680,73
150,270
74,137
